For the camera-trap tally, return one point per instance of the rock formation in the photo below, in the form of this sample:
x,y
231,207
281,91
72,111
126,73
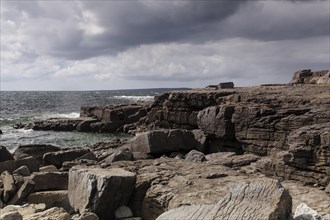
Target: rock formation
x,y
189,147
265,199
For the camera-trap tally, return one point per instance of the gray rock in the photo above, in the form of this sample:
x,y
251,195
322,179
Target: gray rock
x,y
226,85
50,181
309,77
216,120
100,191
327,189
165,141
55,213
48,168
85,126
304,212
195,156
15,215
36,151
257,200
22,193
9,187
5,154
123,212
57,158
57,198
88,156
123,154
88,216
23,170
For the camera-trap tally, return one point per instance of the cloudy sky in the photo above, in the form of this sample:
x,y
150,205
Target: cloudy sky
x,y
94,45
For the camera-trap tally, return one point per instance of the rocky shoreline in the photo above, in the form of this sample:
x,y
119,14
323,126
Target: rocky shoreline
x,y
212,153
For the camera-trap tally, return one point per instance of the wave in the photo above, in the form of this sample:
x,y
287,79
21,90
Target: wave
x,y
61,115
135,98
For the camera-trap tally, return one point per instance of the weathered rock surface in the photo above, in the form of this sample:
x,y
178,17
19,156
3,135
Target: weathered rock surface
x,y
9,187
230,159
100,191
23,170
55,213
14,215
264,199
25,211
122,154
165,141
58,198
180,109
22,193
48,168
306,159
45,181
195,156
113,118
58,124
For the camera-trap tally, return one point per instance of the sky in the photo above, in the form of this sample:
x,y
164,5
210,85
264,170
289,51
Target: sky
x,y
106,45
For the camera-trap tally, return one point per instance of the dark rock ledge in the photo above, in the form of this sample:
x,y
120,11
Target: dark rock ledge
x,y
234,153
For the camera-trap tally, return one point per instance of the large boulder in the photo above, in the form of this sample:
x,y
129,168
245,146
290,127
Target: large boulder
x,y
165,141
264,199
9,187
59,157
98,190
5,154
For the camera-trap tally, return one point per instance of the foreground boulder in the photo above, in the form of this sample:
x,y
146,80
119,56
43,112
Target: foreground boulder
x,y
100,191
264,199
165,141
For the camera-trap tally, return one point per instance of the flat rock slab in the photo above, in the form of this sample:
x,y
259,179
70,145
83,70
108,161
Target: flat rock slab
x,y
100,191
264,199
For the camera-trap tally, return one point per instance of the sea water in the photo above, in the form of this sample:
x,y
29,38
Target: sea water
x,y
28,106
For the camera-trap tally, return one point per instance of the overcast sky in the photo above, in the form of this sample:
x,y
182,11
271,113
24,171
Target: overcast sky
x,y
94,45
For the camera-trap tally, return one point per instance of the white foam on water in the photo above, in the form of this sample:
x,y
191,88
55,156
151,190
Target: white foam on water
x,y
135,98
68,115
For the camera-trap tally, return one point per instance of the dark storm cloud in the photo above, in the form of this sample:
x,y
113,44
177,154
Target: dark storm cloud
x,y
125,24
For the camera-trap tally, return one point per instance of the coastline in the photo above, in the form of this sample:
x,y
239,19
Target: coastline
x,y
189,146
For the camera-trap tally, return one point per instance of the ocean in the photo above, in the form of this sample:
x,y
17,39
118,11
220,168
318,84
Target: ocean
x,y
28,106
